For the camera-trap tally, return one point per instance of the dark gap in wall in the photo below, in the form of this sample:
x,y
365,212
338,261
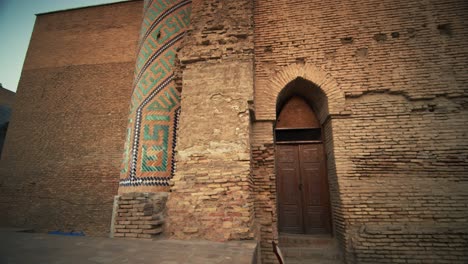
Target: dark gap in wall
x,y
381,37
445,29
346,40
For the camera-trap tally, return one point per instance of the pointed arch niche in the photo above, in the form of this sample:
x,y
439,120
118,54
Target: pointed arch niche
x,y
322,95
303,105
302,89
303,203
301,172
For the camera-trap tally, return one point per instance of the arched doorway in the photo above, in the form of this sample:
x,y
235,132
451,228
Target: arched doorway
x,y
302,186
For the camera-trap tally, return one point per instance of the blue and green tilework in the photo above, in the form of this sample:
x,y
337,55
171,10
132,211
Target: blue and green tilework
x,y
155,105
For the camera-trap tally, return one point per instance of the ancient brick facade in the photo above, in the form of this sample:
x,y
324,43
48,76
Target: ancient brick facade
x,y
394,115
212,184
64,146
138,215
387,81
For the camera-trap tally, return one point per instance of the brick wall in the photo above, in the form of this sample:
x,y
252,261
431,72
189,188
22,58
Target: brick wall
x,y
263,171
139,215
60,165
411,172
394,117
387,80
212,185
413,48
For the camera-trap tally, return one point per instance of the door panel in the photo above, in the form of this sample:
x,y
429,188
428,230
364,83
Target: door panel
x,y
290,203
315,194
303,202
310,153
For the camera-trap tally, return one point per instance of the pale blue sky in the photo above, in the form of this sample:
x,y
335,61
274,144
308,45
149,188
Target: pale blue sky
x,y
16,24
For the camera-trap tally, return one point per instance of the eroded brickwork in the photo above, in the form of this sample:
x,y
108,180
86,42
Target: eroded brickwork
x,y
416,48
394,122
402,243
139,215
212,185
387,80
411,173
60,165
263,171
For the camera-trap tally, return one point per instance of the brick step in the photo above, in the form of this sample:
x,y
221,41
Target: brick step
x,y
316,249
318,241
310,252
311,261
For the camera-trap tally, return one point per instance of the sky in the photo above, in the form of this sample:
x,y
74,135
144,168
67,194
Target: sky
x,y
16,24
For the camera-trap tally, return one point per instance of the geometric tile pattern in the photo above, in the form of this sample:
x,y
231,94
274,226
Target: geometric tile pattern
x,y
148,158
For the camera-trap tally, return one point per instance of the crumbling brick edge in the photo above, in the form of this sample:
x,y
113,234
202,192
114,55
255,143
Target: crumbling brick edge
x,y
138,215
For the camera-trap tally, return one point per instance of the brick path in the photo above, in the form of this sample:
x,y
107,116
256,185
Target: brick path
x,y
19,248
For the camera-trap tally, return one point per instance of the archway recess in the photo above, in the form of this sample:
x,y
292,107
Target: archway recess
x,y
321,88
301,177
322,93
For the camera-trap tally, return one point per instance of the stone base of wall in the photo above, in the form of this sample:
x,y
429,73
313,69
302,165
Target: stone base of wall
x,y
139,215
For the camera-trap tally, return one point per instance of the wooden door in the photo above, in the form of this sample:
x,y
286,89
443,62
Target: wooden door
x,y
288,181
303,200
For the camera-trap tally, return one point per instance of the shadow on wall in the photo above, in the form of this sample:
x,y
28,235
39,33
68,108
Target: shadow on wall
x,y
5,114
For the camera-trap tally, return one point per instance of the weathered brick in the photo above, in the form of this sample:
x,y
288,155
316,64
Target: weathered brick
x,y
153,231
69,143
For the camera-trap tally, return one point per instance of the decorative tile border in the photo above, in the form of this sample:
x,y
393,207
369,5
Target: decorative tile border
x,y
155,106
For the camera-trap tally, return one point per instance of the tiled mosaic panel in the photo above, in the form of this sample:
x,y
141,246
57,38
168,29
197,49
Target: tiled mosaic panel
x,y
155,104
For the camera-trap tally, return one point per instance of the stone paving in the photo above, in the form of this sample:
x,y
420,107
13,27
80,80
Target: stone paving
x,y
21,248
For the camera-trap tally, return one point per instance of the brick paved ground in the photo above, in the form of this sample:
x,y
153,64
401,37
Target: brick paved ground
x,y
19,248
